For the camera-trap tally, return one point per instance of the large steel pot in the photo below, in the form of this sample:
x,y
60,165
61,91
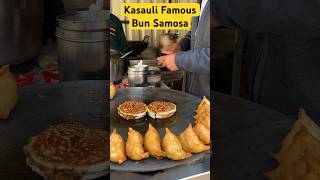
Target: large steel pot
x,y
20,30
82,47
116,66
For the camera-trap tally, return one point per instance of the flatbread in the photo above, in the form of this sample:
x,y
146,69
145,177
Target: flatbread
x,y
72,147
132,110
161,109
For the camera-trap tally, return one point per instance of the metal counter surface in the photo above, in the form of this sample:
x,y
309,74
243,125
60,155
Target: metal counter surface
x,y
179,172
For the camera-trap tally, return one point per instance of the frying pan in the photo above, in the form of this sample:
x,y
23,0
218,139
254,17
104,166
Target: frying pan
x,y
186,104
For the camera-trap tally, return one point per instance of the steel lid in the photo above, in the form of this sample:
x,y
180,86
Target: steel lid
x,y
84,20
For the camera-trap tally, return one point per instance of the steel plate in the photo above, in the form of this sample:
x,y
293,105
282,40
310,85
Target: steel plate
x,y
186,104
44,105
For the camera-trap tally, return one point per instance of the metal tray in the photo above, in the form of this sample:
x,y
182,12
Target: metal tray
x,y
186,104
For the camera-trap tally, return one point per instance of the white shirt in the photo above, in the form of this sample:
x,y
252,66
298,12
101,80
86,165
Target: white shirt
x,y
203,5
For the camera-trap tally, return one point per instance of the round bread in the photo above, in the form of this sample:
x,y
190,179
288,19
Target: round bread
x,y
161,109
132,110
70,147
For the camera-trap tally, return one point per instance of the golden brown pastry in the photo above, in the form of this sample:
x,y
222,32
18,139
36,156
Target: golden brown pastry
x,y
113,90
134,146
302,142
305,168
204,106
8,92
204,118
304,120
190,141
117,148
152,143
202,132
173,148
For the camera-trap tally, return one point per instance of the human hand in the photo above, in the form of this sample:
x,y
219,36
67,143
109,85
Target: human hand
x,y
171,49
168,61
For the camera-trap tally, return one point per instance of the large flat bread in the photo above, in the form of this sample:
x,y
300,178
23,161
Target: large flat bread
x,y
161,109
70,147
132,110
53,174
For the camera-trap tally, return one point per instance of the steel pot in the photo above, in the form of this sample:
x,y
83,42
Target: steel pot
x,y
116,66
82,47
137,75
20,30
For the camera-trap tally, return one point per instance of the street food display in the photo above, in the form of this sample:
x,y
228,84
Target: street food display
x,y
113,90
8,92
154,138
191,140
132,110
300,152
69,151
117,148
161,109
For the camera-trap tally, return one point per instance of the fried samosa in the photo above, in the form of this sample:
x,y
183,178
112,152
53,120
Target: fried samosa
x,y
204,118
190,141
204,106
134,146
304,120
117,148
306,168
202,132
8,92
152,143
113,90
173,148
302,142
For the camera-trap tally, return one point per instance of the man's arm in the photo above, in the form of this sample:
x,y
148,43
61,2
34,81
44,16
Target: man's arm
x,y
185,42
284,17
196,60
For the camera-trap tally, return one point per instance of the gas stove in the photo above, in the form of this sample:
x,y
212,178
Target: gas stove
x,y
174,80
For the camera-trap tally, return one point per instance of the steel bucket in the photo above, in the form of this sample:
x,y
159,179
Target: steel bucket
x,y
82,45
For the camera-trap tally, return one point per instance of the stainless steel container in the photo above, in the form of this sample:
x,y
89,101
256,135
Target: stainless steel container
x,y
137,75
20,30
116,66
82,47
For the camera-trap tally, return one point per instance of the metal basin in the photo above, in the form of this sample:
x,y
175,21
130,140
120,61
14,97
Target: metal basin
x,y
20,30
82,47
